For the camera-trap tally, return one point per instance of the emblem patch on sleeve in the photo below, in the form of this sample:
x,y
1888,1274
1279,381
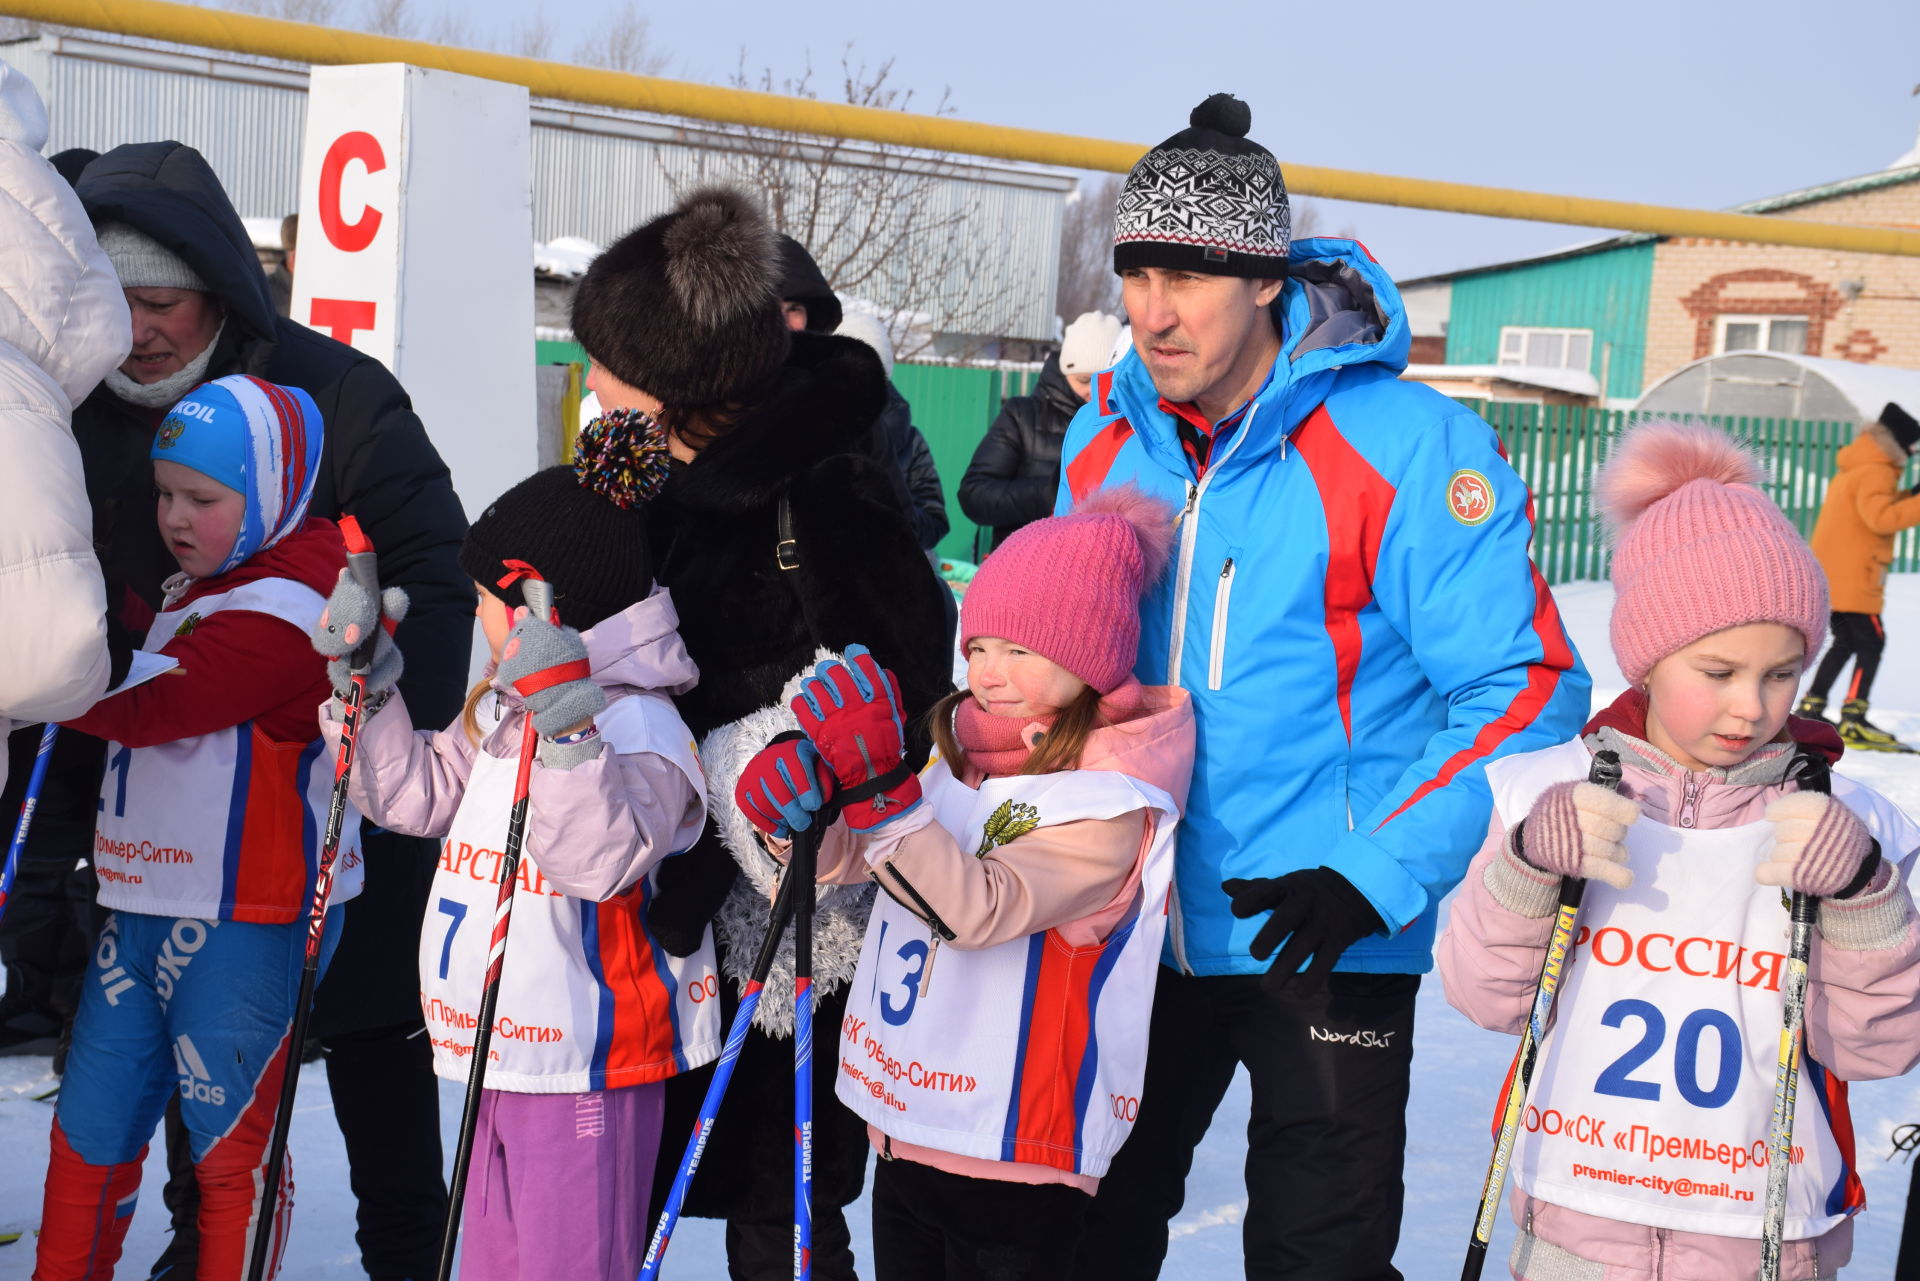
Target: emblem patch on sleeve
x,y
1469,497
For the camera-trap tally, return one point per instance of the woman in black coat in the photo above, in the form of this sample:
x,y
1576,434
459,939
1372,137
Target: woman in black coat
x,y
777,536
1015,471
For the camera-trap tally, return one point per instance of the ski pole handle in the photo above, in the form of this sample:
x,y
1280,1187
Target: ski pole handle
x,y
1813,774
361,564
1606,771
539,594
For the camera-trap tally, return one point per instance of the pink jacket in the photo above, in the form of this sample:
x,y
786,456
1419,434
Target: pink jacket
x,y
1080,878
593,829
1863,1004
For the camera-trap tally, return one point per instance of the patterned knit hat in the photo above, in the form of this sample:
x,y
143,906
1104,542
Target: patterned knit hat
x,y
581,525
1068,587
1698,548
1206,200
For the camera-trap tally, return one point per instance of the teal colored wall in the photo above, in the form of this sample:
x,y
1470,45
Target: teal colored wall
x,y
1607,292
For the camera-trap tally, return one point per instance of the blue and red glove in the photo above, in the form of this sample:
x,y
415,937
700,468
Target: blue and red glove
x,y
784,786
851,710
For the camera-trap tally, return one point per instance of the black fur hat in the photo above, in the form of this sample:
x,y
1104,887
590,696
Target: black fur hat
x,y
687,307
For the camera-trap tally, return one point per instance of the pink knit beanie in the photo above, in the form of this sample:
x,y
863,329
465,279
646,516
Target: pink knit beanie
x,y
1068,587
1697,548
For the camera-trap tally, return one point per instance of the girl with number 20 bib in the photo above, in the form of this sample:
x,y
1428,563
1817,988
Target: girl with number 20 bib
x,y
1644,1151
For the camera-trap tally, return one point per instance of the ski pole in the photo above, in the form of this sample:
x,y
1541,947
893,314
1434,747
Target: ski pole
x,y
1605,772
801,867
360,563
16,849
539,595
1814,774
805,845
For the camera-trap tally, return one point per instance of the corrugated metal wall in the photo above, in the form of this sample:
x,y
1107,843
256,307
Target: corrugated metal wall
x,y
249,132
593,176
1608,292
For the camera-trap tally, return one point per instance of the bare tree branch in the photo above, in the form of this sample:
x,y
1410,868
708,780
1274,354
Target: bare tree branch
x,y
454,27
624,44
1087,282
532,37
889,226
390,18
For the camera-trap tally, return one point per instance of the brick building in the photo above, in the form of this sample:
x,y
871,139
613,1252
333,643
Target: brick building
x,y
1632,309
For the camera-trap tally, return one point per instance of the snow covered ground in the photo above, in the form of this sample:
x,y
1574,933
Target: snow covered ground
x,y
1457,1069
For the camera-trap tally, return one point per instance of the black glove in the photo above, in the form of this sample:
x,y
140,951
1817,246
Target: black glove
x,y
688,891
1315,910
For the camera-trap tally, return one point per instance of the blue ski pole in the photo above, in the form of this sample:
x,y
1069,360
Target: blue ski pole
x,y
19,843
801,866
805,844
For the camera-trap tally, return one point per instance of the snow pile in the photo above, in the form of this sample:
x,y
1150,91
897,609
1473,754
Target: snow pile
x,y
567,257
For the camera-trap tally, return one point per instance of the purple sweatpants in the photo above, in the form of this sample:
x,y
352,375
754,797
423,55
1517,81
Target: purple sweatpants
x,y
559,1184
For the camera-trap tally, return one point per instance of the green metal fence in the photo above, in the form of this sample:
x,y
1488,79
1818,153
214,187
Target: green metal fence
x,y
1555,449
953,406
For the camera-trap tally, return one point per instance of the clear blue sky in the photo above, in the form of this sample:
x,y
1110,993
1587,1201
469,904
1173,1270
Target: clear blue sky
x,y
1684,102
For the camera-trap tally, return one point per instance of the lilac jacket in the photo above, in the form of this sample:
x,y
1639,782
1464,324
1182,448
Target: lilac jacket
x,y
594,828
1863,1006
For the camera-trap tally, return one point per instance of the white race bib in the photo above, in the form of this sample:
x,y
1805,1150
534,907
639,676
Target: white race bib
x,y
1032,1050
587,1000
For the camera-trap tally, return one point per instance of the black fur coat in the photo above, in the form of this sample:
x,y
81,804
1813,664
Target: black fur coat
x,y
750,626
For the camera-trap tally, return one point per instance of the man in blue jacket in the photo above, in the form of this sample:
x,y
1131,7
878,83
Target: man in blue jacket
x,y
1352,606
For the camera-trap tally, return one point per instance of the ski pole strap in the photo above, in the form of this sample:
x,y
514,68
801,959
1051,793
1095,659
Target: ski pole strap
x,y
877,784
559,674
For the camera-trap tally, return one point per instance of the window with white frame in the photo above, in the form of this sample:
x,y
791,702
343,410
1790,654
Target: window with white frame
x,y
1548,348
1760,333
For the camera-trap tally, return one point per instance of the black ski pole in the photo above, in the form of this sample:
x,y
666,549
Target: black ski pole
x,y
360,563
539,594
1814,775
1605,772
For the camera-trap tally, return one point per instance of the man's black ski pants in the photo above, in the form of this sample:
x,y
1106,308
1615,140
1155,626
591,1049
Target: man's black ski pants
x,y
1325,1143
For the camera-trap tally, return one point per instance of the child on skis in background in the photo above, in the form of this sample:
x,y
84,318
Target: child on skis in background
x,y
1013,953
592,1016
1668,1023
207,841
1864,509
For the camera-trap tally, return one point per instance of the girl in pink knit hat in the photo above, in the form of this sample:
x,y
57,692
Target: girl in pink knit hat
x,y
1644,1150
995,1038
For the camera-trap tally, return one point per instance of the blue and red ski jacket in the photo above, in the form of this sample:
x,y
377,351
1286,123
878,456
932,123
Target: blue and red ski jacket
x,y
1353,608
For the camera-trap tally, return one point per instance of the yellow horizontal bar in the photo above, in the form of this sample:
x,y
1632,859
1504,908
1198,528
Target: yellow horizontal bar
x,y
304,42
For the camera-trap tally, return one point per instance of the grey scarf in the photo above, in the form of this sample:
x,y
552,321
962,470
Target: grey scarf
x,y
169,389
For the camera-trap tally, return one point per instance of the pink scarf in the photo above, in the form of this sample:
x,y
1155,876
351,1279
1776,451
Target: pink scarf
x,y
999,745
996,745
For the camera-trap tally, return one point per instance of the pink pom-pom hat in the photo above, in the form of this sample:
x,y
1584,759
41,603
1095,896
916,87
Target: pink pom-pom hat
x,y
1697,547
1068,587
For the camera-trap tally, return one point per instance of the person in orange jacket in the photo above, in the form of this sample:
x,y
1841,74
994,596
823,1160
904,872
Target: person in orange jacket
x,y
1853,540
